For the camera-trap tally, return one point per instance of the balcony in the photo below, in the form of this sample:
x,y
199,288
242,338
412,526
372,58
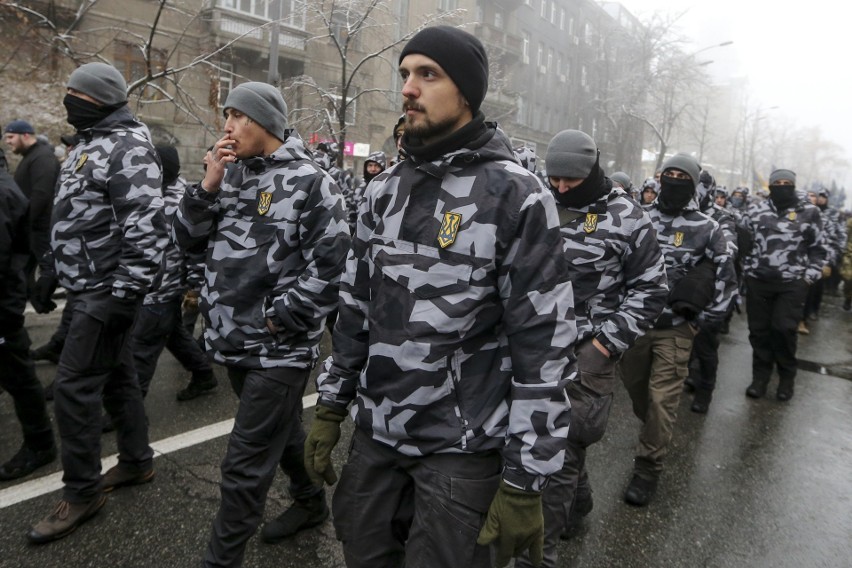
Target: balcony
x,y
228,25
502,44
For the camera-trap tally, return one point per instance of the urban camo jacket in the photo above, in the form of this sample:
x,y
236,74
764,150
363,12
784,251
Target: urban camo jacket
x,y
180,270
727,222
455,329
685,239
787,243
616,269
276,239
108,228
834,234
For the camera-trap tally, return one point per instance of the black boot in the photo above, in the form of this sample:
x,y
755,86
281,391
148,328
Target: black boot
x,y
200,383
302,514
701,402
689,384
785,389
757,388
640,491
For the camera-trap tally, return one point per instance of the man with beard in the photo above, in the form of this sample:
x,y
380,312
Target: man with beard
x,y
107,239
36,176
273,226
619,282
454,338
702,281
787,256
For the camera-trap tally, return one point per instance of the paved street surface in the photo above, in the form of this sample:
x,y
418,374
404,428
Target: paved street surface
x,y
751,484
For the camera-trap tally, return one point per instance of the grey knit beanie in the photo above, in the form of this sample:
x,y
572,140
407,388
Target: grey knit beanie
x,y
685,163
623,179
101,81
571,154
782,174
264,104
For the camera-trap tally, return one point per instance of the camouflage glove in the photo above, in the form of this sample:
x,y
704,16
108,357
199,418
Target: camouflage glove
x,y
826,271
516,522
40,298
324,434
190,301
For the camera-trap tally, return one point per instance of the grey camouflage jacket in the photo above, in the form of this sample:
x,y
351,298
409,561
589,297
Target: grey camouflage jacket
x,y
108,228
787,243
616,269
276,240
180,270
834,231
685,239
456,325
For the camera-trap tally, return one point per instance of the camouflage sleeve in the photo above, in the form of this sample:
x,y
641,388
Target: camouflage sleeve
x,y
337,383
729,229
195,219
817,251
323,241
193,263
646,285
133,185
719,252
538,321
841,240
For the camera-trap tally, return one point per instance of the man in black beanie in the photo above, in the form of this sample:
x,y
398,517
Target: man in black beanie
x,y
454,338
654,369
619,279
786,257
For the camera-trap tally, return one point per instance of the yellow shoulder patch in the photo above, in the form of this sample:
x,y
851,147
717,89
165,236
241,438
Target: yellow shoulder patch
x,y
449,229
264,201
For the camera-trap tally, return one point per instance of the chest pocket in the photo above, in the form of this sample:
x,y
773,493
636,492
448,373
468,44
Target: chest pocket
x,y
420,269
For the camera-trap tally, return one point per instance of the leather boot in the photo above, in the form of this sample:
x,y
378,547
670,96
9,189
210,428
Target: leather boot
x,y
302,514
701,402
785,389
757,388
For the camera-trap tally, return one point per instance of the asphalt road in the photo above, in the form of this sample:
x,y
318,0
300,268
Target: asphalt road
x,y
750,484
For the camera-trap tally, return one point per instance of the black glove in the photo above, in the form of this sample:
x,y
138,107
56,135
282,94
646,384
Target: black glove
x,y
40,297
120,313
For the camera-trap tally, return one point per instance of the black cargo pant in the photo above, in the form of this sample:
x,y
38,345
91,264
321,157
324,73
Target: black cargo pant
x,y
392,510
813,300
774,311
160,326
704,360
591,400
95,368
267,432
18,378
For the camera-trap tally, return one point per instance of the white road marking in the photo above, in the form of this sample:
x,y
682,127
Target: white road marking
x,y
53,482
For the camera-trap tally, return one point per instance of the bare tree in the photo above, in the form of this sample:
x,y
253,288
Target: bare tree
x,y
361,37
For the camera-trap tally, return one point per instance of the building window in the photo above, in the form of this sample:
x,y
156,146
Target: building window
x,y
498,20
550,60
571,26
447,5
587,33
543,11
553,13
293,13
540,58
226,81
521,116
130,60
525,48
562,19
584,79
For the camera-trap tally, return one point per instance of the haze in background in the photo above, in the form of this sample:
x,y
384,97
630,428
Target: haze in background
x,y
795,56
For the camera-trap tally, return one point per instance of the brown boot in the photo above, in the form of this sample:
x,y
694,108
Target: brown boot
x,y
64,520
118,476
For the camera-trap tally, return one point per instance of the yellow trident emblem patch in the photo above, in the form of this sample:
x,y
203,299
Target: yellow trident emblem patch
x,y
590,225
449,229
264,200
678,240
791,215
81,162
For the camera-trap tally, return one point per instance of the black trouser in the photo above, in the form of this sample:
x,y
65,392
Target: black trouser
x,y
591,400
814,298
704,360
267,432
18,378
160,326
392,510
774,312
58,337
97,368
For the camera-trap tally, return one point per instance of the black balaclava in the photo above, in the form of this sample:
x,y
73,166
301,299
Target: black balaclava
x,y
675,194
83,114
783,196
590,189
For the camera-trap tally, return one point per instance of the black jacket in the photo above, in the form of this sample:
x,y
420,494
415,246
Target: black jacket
x,y
36,176
14,251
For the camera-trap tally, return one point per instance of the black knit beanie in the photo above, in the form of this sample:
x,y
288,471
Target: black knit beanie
x,y
460,54
171,163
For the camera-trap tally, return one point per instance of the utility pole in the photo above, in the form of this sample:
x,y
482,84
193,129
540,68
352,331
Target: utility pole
x,y
275,13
